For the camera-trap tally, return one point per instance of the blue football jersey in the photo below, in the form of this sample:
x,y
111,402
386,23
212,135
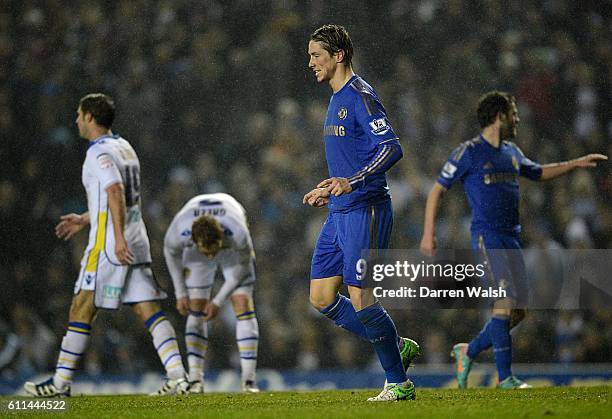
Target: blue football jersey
x,y
359,145
490,179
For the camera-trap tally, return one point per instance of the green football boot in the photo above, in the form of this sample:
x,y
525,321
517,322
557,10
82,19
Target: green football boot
x,y
513,382
396,392
463,364
409,352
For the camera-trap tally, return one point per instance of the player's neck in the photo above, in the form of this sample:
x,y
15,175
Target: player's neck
x,y
98,132
491,135
342,75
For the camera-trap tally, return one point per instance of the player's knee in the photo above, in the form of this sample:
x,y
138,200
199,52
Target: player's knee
x,y
320,301
197,305
82,308
146,309
242,304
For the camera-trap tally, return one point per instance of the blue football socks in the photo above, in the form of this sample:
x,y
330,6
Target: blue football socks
x,y
502,346
342,312
481,342
381,332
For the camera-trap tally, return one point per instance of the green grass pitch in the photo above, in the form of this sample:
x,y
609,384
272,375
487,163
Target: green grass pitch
x,y
558,402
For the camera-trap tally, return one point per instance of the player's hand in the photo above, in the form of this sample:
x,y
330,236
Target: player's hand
x,y
122,251
211,311
182,306
428,246
336,186
318,197
69,225
590,160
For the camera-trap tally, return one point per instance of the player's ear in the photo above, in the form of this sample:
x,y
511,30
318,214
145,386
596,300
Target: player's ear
x,y
340,56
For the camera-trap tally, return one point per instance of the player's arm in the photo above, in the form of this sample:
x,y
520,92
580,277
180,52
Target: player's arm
x,y
70,224
553,170
456,167
428,241
118,210
387,154
173,254
232,281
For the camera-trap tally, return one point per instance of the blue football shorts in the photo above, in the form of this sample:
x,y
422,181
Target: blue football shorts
x,y
345,235
504,263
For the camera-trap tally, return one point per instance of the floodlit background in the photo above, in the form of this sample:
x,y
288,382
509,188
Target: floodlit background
x,y
216,96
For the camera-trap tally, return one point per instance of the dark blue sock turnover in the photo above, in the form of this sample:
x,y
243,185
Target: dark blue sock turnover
x,y
342,312
381,332
502,346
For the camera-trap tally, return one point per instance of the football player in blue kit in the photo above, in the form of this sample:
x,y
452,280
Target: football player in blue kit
x,y
489,166
360,146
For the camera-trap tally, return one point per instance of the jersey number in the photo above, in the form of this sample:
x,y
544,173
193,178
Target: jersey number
x,y
132,186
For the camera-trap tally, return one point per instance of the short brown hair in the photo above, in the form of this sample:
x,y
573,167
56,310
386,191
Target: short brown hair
x,y
334,38
491,104
206,230
100,106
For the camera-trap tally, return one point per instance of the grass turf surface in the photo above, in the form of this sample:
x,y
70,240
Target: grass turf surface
x,y
474,403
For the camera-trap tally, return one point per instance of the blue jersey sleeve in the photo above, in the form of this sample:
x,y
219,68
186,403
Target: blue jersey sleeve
x,y
456,167
372,118
528,168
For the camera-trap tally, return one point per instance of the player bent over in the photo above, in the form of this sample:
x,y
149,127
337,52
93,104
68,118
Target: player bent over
x,y
211,232
489,166
360,146
115,267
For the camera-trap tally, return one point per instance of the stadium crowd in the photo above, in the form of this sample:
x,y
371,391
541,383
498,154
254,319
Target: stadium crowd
x,y
217,97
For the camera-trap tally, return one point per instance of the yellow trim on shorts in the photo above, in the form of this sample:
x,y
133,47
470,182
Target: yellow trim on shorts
x,y
94,255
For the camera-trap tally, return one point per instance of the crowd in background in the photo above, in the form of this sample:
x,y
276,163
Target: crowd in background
x,y
216,96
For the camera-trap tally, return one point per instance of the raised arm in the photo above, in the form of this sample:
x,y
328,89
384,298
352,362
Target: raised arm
x,y
553,170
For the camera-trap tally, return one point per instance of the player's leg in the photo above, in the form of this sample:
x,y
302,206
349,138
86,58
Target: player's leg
x,y
96,275
196,340
247,336
73,346
143,293
518,290
370,228
326,279
199,280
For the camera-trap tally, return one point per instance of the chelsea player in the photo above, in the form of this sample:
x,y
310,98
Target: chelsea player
x,y
489,166
360,146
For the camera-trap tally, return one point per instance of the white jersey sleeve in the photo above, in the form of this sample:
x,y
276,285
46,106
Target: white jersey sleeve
x,y
173,254
106,170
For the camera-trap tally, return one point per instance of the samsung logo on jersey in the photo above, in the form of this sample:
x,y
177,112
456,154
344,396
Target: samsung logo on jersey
x,y
209,211
380,126
334,130
502,177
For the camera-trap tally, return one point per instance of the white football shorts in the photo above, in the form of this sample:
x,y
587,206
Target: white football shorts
x,y
115,284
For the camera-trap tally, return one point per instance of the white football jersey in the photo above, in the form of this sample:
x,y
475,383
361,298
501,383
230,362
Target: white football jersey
x,y
230,214
111,159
